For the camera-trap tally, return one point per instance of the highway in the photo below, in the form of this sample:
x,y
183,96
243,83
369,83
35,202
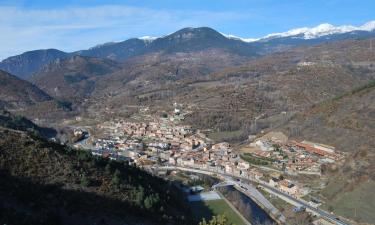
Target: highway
x,y
320,212
255,194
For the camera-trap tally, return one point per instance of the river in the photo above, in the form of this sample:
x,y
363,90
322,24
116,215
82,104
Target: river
x,y
246,206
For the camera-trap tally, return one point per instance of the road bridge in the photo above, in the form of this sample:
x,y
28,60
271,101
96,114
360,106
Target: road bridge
x,y
298,202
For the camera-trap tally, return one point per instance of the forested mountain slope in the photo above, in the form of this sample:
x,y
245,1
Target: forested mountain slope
x,y
47,183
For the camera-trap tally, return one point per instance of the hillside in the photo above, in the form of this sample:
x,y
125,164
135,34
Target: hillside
x,y
24,98
186,40
347,122
199,39
47,183
229,98
17,93
30,62
73,78
17,122
116,51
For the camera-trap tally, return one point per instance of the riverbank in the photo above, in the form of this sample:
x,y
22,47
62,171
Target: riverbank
x,y
246,206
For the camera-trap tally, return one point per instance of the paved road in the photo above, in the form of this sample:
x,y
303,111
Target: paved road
x,y
318,211
247,189
260,199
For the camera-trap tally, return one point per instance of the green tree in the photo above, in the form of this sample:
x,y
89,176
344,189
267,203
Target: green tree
x,y
85,182
151,201
148,202
216,220
108,169
139,196
116,179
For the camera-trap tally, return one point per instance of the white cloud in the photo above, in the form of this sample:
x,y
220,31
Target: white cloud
x,y
72,29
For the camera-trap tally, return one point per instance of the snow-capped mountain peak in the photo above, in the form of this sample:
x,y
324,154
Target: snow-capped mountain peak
x,y
230,36
311,32
148,38
369,26
103,45
326,29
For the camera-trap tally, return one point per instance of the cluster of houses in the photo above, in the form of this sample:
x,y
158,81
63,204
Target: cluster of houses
x,y
288,186
146,141
167,142
218,158
295,157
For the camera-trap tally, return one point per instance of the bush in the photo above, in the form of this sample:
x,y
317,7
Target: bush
x,y
85,182
216,220
255,160
116,179
64,105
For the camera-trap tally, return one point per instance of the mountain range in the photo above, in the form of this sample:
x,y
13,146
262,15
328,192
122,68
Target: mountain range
x,y
319,31
191,40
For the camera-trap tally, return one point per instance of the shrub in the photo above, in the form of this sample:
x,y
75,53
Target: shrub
x,y
85,182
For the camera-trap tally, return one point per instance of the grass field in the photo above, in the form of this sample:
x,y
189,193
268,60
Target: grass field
x,y
358,204
255,160
220,136
208,209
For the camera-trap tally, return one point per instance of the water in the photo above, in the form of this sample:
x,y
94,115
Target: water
x,y
246,206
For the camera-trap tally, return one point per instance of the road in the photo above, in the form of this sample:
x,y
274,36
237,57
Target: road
x,y
317,211
252,192
83,143
245,188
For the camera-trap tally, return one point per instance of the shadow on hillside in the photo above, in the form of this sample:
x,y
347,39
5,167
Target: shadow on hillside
x,y
21,123
200,211
25,202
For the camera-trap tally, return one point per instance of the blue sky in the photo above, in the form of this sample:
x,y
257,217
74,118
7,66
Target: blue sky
x,y
79,24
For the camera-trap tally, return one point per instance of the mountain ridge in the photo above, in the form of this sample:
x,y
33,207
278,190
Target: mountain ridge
x,y
311,32
29,62
190,40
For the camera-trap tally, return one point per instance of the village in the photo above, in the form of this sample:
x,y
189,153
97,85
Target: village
x,y
166,141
